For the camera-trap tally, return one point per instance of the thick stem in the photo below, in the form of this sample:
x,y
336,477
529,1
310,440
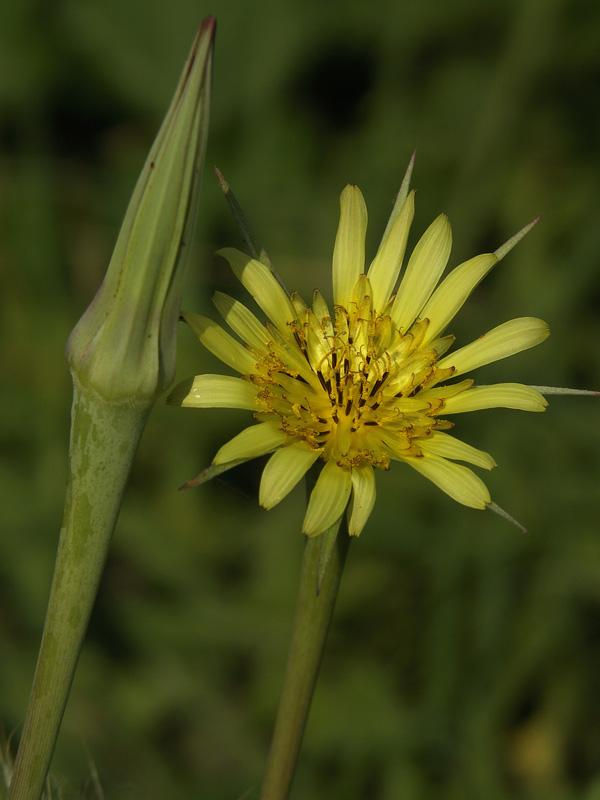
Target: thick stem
x,y
104,438
313,615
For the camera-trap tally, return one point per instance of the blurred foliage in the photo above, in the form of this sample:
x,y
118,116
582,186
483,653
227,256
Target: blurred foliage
x,y
464,657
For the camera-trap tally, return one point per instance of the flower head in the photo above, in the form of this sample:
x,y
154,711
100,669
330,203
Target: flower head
x,y
365,381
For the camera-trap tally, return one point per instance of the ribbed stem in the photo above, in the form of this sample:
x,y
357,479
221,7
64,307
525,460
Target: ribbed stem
x,y
104,438
311,625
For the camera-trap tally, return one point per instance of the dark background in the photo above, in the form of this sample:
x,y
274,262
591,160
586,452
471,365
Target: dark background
x,y
464,657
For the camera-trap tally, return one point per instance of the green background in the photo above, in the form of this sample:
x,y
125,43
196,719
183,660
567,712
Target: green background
x,y
464,657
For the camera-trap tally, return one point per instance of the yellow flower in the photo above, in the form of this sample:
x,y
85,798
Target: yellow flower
x,y
366,381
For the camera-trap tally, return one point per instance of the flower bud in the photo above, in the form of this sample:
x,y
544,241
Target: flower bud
x,y
123,347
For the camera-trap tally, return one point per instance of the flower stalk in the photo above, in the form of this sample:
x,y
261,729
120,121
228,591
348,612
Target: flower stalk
x,y
315,605
122,358
99,430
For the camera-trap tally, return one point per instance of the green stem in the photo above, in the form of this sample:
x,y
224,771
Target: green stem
x,y
313,615
104,438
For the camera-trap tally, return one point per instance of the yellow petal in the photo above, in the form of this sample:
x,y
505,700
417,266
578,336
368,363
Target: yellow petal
x,y
503,341
299,306
385,268
328,499
260,282
451,294
320,308
497,395
241,321
214,391
457,481
221,344
283,471
317,345
349,249
425,266
437,392
251,442
363,497
441,444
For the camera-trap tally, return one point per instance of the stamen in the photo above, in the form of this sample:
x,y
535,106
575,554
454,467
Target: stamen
x,y
378,383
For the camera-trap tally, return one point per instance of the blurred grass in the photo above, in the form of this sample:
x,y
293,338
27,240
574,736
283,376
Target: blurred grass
x,y
464,657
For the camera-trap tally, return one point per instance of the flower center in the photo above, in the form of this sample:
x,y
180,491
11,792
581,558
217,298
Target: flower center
x,y
349,387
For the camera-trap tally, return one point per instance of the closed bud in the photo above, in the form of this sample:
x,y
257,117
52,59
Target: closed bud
x,y
123,347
